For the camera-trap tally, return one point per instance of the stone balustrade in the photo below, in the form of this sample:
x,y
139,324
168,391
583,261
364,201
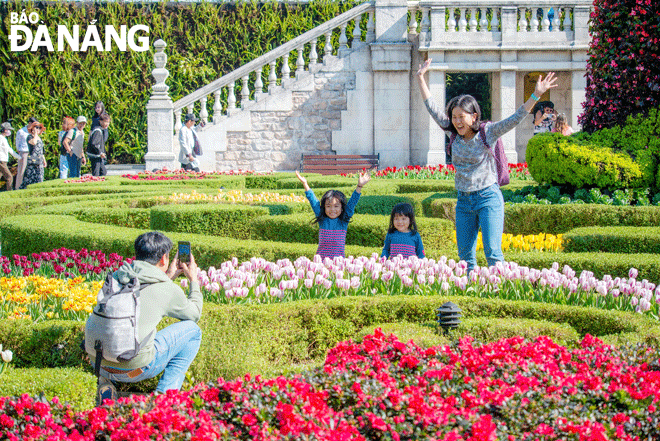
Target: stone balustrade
x,y
499,23
252,82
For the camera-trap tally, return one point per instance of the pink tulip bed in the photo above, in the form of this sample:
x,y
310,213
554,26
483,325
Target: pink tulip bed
x,y
261,281
181,174
384,389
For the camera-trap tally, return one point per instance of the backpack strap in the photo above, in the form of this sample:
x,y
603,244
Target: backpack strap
x,y
452,138
98,347
482,134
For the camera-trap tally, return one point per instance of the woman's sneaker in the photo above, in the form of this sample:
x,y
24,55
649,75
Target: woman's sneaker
x,y
105,390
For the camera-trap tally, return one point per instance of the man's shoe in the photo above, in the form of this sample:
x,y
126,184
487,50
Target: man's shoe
x,y
105,390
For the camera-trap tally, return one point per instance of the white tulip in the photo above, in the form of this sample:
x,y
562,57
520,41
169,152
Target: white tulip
x,y
7,356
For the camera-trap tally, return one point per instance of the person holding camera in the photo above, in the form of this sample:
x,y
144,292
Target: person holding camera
x,y
544,116
172,349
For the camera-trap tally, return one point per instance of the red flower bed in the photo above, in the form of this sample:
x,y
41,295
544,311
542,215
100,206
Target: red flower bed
x,y
384,389
64,262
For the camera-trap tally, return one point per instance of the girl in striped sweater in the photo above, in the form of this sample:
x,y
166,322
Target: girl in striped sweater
x,y
333,214
402,237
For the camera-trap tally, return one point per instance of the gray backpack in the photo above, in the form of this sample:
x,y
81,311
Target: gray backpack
x,y
111,330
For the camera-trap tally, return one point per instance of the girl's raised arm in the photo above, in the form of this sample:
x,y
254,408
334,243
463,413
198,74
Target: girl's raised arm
x,y
303,180
362,181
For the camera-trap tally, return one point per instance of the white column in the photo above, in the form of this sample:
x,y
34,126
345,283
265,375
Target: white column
x,y
160,124
507,99
437,82
578,96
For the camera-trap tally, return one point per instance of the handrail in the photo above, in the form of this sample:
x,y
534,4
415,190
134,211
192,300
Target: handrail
x,y
273,55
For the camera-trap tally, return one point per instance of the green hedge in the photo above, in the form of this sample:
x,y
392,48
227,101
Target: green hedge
x,y
556,159
275,338
24,235
70,385
614,240
230,220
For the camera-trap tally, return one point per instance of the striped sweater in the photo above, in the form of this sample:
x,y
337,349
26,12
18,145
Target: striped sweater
x,y
332,232
406,244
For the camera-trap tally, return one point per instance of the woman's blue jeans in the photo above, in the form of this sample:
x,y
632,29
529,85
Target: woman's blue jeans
x,y
482,208
176,348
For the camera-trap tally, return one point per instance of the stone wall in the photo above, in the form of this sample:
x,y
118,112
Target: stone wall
x,y
277,139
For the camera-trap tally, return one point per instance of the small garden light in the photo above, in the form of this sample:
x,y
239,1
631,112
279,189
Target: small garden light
x,y
448,316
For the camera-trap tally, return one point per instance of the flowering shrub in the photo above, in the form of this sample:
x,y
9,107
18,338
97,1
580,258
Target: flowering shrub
x,y
381,388
623,70
549,194
233,197
181,174
447,172
260,281
530,242
38,298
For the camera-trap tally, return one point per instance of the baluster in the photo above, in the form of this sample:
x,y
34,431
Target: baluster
x,y
451,23
555,19
545,22
371,28
177,120
286,70
483,21
534,21
217,106
523,19
357,33
245,92
328,45
313,55
203,113
412,25
258,84
425,34
494,21
462,22
300,62
272,77
231,98
568,23
191,108
343,41
473,19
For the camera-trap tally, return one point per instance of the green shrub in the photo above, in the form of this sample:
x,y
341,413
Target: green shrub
x,y
556,159
70,385
229,220
613,240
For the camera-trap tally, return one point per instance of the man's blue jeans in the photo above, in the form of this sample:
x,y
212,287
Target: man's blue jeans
x,y
74,166
176,348
482,208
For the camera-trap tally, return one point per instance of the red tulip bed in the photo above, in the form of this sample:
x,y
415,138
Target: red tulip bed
x,y
384,389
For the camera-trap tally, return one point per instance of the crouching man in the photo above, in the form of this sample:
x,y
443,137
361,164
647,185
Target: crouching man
x,y
170,350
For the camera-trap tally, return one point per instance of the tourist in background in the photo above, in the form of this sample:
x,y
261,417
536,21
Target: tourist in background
x,y
96,146
36,161
544,116
65,150
5,150
75,139
187,144
23,151
562,126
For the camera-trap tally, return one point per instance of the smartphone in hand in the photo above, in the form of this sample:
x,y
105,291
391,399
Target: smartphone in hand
x,y
184,251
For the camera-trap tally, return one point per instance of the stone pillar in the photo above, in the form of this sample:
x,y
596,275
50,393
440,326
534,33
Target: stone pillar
x,y
160,126
391,61
507,100
437,82
578,96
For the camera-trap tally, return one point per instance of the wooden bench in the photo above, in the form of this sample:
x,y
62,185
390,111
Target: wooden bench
x,y
338,164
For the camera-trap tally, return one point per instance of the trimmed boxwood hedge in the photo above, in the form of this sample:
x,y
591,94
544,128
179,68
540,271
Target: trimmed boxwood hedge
x,y
613,239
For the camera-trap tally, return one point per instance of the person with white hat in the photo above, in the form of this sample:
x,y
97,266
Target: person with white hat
x,y
5,150
75,139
